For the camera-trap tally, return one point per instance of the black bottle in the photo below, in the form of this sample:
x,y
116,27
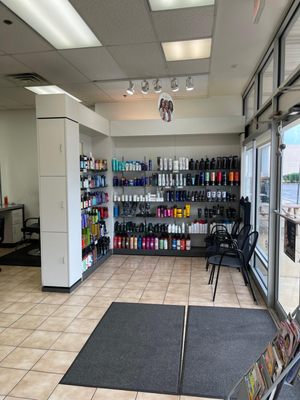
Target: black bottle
x,y
213,164
197,164
207,163
191,164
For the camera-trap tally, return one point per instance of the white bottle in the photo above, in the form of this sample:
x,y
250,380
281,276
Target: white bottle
x,y
175,165
163,180
186,163
165,164
183,228
170,164
159,179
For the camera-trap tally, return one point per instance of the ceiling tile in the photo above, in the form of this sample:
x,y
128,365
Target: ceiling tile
x,y
19,37
52,66
9,103
102,67
116,22
140,60
89,93
8,65
188,67
184,24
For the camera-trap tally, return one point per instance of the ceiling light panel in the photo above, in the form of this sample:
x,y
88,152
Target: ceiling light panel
x,y
187,49
52,89
56,20
161,5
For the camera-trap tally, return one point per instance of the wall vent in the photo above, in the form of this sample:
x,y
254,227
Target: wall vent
x,y
27,79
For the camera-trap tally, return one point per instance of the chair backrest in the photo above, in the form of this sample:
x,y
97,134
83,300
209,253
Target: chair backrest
x,y
235,228
242,236
1,229
249,246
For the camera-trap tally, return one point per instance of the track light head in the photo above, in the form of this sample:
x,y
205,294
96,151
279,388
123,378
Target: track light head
x,y
145,87
189,83
157,86
130,89
174,85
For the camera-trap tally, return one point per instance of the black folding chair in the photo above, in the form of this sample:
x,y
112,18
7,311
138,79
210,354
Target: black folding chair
x,y
235,258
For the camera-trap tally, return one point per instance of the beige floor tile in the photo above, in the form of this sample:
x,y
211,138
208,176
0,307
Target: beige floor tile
x,y
56,324
29,322
154,396
136,285
41,340
76,300
108,394
70,342
82,325
94,283
36,385
115,284
43,309
5,350
67,311
13,337
153,294
131,293
176,302
109,292
87,291
55,361
56,298
92,313
157,286
196,398
19,308
4,305
12,296
9,378
34,297
22,358
67,392
100,302
8,319
175,288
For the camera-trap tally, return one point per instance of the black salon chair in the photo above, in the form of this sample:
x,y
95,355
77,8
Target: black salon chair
x,y
32,226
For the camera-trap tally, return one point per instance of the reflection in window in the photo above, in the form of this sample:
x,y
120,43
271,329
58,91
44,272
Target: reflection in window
x,y
291,48
266,81
249,104
261,270
263,199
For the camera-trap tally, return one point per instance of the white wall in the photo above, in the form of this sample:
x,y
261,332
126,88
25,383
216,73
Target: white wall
x,y
18,159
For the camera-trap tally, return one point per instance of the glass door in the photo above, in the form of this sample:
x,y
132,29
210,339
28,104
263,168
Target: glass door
x,y
288,220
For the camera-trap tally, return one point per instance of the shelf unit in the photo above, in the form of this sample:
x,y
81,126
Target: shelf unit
x,y
94,235
123,195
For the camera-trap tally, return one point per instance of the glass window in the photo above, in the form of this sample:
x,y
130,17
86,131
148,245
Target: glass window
x,y
249,104
263,199
248,178
261,270
291,48
266,81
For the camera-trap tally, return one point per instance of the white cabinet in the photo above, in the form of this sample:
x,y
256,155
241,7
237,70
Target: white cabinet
x,y
53,204
51,143
13,223
54,259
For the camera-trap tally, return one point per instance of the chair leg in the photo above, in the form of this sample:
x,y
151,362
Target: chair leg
x,y
207,264
216,284
211,276
251,288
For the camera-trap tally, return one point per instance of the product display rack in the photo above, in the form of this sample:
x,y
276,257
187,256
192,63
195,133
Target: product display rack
x,y
95,240
142,181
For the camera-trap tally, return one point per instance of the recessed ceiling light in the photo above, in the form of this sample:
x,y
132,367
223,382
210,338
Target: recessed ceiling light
x,y
56,20
160,5
145,87
189,83
52,89
187,49
130,89
174,85
157,86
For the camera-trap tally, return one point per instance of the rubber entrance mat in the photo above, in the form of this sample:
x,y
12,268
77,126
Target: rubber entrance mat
x,y
220,345
135,347
22,257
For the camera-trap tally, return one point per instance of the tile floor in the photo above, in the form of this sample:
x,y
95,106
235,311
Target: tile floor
x,y
41,333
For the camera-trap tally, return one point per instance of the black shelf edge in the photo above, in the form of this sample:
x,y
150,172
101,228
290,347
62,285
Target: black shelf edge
x,y
194,252
96,265
98,187
180,170
202,187
175,202
93,170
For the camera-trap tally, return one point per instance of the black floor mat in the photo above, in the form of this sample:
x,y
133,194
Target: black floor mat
x,y
22,258
220,345
134,347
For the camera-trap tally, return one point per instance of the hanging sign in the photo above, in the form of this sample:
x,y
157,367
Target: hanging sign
x,y
166,107
290,239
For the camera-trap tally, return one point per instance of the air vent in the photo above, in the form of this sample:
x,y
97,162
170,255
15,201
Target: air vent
x,y
27,79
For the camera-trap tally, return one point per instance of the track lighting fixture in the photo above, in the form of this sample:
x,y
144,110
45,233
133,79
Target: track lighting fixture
x,y
174,85
130,89
157,86
189,83
145,87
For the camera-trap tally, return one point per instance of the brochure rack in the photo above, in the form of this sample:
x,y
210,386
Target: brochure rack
x,y
272,389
